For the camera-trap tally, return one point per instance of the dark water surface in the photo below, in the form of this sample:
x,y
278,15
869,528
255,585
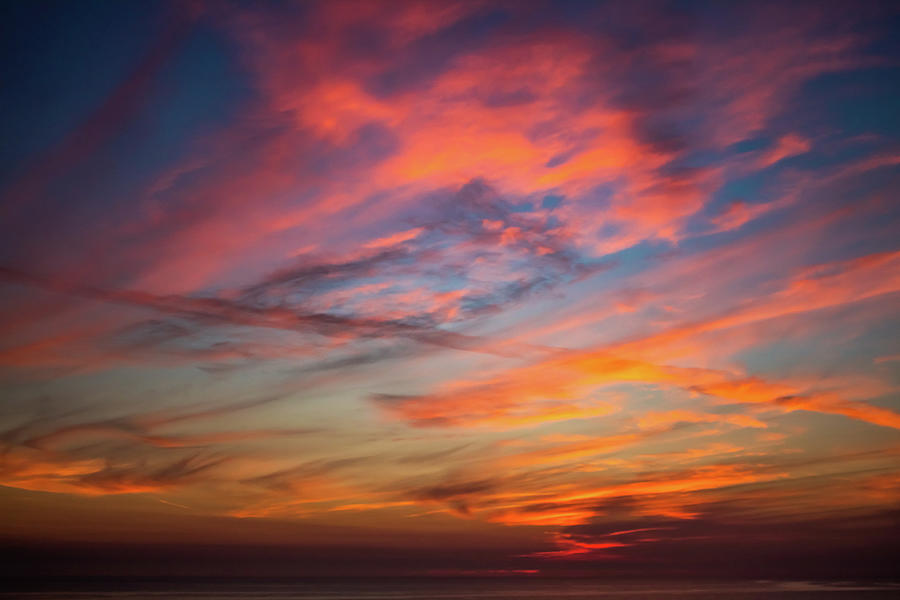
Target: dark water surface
x,y
445,590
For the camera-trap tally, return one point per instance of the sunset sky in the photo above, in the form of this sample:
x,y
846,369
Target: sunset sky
x,y
450,288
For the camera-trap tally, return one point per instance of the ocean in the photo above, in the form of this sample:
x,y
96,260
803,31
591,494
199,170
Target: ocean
x,y
429,589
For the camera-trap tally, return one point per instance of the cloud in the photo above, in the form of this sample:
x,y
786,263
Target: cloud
x,y
93,477
569,378
106,121
577,546
47,456
219,310
787,146
655,419
553,270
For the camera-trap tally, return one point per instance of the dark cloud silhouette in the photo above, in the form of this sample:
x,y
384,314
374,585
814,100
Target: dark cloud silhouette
x,y
475,215
218,310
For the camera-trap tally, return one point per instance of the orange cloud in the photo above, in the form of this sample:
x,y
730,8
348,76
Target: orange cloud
x,y
574,375
47,472
786,147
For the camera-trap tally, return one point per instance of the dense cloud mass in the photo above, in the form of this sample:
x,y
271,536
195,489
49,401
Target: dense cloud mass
x,y
474,287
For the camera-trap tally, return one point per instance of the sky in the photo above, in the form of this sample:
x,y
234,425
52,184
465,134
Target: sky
x,y
450,288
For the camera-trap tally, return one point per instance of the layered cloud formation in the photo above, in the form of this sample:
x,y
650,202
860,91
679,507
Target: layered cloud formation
x,y
583,286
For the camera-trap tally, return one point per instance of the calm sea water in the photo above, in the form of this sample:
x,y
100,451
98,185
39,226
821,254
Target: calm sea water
x,y
448,590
